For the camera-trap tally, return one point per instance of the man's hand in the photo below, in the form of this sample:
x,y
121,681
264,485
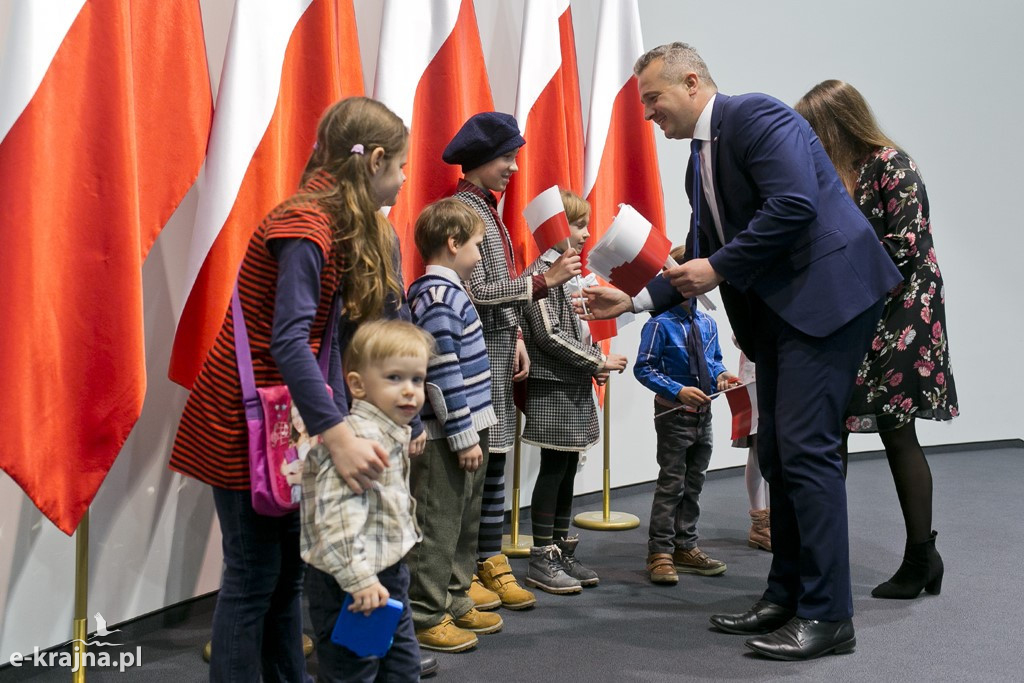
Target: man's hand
x,y
692,396
358,461
470,459
369,599
417,445
521,362
601,303
726,380
566,267
694,277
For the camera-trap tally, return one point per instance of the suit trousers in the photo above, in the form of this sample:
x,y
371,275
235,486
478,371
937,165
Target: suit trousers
x,y
804,384
448,513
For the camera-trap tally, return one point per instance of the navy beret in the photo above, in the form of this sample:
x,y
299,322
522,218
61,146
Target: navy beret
x,y
485,136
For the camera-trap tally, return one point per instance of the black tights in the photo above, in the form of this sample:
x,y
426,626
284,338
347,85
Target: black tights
x,y
912,476
551,506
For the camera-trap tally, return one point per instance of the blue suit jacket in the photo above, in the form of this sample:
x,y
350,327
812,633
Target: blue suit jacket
x,y
793,236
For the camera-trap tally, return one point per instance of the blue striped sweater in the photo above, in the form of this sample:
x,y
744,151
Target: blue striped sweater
x,y
458,402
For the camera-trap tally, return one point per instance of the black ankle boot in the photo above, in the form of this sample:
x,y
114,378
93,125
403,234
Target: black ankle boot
x,y
921,568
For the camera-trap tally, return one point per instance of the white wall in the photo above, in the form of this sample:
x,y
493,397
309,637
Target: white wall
x,y
942,79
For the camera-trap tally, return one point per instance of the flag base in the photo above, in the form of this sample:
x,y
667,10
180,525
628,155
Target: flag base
x,y
520,547
606,521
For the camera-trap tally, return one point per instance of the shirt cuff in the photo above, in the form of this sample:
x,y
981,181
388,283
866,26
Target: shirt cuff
x,y
643,302
540,287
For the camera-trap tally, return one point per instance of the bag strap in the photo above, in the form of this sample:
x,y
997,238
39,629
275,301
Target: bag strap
x,y
243,354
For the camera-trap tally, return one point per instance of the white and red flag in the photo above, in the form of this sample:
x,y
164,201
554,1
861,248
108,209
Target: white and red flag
x,y
549,114
743,403
286,61
104,120
546,219
631,251
621,163
431,72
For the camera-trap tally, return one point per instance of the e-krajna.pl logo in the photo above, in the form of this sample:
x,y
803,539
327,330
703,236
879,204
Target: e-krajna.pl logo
x,y
83,653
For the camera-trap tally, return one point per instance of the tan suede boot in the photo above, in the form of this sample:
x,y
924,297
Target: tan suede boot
x,y
496,575
482,598
760,529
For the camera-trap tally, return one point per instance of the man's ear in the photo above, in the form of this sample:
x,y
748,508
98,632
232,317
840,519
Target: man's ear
x,y
376,160
355,385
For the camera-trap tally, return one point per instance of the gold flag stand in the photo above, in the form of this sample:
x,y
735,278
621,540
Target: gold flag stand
x,y
516,544
80,625
606,520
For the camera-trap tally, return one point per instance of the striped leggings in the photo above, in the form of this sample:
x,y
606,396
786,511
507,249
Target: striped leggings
x,y
492,508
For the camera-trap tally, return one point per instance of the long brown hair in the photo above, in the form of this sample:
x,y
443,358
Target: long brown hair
x,y
364,239
844,123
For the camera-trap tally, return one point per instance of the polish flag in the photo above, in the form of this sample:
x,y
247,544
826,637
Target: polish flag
x,y
546,219
743,403
104,120
548,111
431,72
631,252
621,164
286,62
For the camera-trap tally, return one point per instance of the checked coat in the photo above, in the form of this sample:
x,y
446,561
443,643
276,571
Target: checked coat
x,y
560,412
499,299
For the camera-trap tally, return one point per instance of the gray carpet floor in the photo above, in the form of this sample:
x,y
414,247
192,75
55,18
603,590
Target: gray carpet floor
x,y
627,629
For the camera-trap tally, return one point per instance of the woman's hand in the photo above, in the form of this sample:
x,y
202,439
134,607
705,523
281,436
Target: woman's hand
x,y
615,362
358,461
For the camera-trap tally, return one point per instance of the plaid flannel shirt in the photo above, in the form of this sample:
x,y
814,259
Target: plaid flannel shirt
x,y
353,537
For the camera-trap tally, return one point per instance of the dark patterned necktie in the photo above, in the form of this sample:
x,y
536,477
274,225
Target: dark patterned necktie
x,y
694,339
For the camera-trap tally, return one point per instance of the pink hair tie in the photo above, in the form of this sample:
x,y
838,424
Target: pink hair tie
x,y
357,149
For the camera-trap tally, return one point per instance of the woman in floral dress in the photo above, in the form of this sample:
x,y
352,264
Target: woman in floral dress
x,y
906,373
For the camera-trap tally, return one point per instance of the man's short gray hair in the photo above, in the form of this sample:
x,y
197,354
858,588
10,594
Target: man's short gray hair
x,y
677,60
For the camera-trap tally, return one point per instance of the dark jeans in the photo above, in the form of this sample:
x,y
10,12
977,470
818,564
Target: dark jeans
x,y
684,451
337,663
257,624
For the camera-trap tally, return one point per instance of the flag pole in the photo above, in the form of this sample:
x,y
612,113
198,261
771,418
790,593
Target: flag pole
x,y
606,520
516,544
79,626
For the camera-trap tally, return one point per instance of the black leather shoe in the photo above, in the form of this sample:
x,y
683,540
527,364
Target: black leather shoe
x,y
762,617
428,665
806,639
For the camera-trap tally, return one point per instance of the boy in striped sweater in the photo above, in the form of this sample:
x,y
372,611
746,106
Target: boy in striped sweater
x,y
447,479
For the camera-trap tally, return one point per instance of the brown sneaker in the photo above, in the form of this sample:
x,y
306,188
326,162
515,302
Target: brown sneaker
x,y
482,598
760,535
696,561
661,570
446,637
480,622
496,575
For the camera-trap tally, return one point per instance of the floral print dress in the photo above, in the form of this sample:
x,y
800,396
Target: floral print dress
x,y
906,373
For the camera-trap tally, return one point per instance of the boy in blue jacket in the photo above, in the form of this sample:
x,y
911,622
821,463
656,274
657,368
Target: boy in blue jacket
x,y
680,360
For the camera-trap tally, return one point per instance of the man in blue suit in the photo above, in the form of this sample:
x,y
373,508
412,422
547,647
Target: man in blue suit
x,y
803,277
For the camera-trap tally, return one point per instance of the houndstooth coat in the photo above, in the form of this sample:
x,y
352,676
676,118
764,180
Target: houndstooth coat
x,y
560,412
499,300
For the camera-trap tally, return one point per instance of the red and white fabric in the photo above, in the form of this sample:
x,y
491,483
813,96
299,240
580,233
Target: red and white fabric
x,y
546,219
104,120
286,62
743,403
550,115
631,252
431,72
